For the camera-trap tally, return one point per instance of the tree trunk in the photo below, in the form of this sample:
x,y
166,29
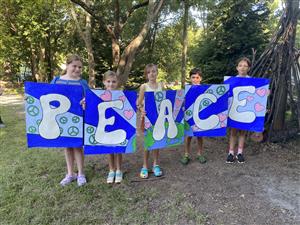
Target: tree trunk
x,y
184,42
33,65
123,62
89,48
87,38
115,45
41,68
130,51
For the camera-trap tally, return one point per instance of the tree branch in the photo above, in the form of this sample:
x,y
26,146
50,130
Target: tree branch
x,y
101,20
131,11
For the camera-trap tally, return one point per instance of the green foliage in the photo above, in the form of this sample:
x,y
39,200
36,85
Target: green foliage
x,y
37,35
235,27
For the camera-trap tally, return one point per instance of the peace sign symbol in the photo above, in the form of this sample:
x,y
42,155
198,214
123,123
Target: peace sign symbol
x,y
33,110
205,102
92,139
63,120
30,100
31,129
221,90
124,142
73,131
210,91
38,122
90,130
188,113
159,96
75,119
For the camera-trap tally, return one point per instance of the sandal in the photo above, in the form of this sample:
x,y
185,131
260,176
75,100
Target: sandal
x,y
144,173
157,171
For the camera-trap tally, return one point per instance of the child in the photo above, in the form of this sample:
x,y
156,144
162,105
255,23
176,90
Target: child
x,y
110,81
72,76
243,67
196,78
150,73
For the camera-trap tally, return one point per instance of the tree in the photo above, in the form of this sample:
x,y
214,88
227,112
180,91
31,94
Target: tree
x,y
235,27
86,35
184,42
122,62
280,63
32,33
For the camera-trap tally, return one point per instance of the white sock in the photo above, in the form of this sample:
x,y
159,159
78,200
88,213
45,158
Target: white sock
x,y
240,151
231,152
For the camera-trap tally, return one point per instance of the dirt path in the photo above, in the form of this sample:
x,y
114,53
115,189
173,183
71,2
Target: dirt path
x,y
264,190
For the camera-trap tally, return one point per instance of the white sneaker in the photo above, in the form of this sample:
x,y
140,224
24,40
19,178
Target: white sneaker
x,y
119,176
81,180
110,177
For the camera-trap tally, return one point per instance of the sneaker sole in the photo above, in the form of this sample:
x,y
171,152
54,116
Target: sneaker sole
x,y
228,162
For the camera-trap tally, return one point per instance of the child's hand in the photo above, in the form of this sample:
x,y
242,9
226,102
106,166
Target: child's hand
x,y
82,103
143,112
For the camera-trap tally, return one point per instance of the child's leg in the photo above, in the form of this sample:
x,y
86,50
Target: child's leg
x,y
118,161
79,157
69,155
119,174
155,157
200,156
144,170
200,146
232,140
111,162
241,144
146,157
187,147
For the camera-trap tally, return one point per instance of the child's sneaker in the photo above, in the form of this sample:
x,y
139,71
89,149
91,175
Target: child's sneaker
x,y
230,158
156,171
185,159
201,159
67,180
240,158
144,173
81,180
119,176
110,177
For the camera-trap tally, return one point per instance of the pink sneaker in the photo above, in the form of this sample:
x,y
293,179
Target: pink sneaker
x,y
67,180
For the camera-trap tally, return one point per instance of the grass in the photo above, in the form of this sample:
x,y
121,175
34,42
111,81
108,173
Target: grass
x,y
30,193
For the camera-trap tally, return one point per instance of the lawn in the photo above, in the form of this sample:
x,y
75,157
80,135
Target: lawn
x,y
30,192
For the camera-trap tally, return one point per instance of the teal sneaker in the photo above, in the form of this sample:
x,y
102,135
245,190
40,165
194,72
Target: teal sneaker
x,y
144,173
157,171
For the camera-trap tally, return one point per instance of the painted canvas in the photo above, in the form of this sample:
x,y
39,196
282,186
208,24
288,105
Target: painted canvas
x,y
110,122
